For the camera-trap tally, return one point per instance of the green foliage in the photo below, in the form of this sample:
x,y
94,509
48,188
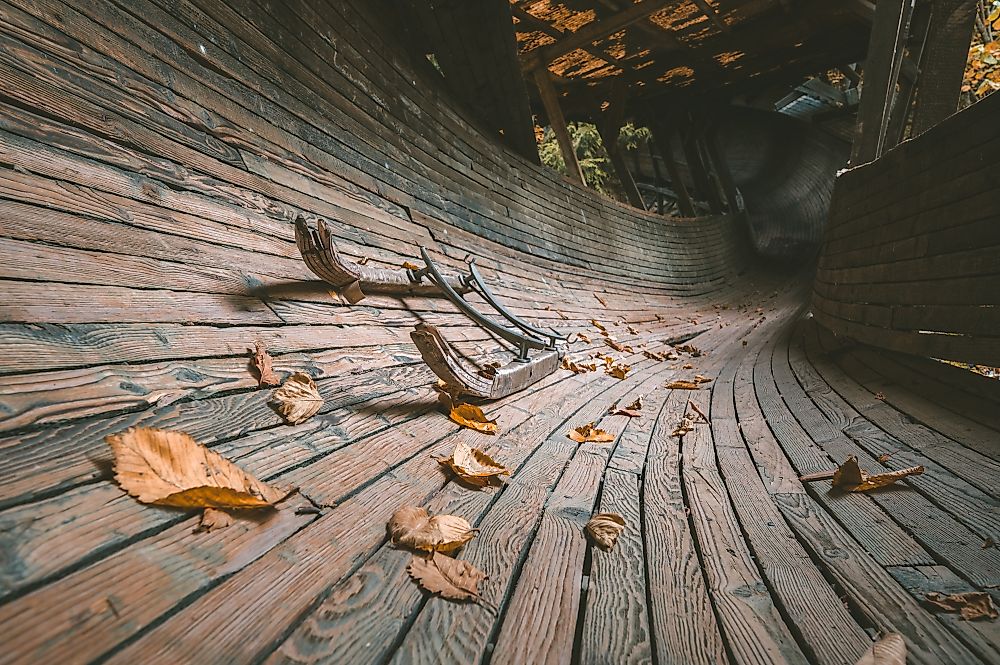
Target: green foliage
x,y
590,152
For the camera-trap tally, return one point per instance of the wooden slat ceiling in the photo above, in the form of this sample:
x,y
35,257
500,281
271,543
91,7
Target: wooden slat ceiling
x,y
685,48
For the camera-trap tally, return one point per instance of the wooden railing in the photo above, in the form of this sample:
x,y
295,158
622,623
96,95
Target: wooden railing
x,y
911,260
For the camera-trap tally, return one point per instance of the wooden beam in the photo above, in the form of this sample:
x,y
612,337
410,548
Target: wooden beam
x,y
952,23
541,26
707,10
609,126
702,182
593,31
558,123
885,54
717,155
909,80
662,137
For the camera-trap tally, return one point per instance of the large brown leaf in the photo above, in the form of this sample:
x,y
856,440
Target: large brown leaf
x,y
413,527
172,469
604,529
889,650
473,466
471,416
850,477
972,605
588,433
632,410
449,578
298,399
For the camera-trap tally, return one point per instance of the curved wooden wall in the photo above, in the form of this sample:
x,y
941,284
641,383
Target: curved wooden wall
x,y
911,260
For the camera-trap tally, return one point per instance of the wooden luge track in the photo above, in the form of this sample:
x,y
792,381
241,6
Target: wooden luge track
x,y
153,160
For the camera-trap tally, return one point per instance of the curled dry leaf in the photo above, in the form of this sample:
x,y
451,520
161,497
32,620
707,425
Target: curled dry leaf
x,y
212,519
632,410
489,370
589,434
449,578
852,478
172,469
700,416
414,528
685,427
683,385
262,363
363,261
693,351
583,338
411,266
473,466
619,371
632,330
688,366
471,416
880,396
604,303
298,399
972,605
889,650
621,348
578,368
604,528
698,378
597,324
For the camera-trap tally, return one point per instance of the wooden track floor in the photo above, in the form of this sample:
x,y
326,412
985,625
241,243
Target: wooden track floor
x,y
727,556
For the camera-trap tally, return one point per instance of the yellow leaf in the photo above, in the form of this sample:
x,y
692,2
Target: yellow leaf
x,y
298,399
172,469
682,385
890,650
632,410
972,605
698,378
262,363
604,529
471,416
597,324
851,478
212,519
618,371
411,266
578,368
589,433
414,528
473,465
449,578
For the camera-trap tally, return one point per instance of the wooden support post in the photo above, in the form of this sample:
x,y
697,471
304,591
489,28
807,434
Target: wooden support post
x,y
702,183
919,27
952,23
662,137
885,54
722,170
657,174
558,123
609,125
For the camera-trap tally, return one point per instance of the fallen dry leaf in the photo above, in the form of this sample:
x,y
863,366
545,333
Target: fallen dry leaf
x,y
449,578
971,605
363,261
578,368
880,396
988,543
411,266
473,466
604,529
597,324
698,378
632,410
693,351
889,650
685,427
851,478
298,399
471,416
583,338
604,303
589,433
172,469
619,371
688,366
632,330
213,518
413,527
683,385
701,417
489,370
262,363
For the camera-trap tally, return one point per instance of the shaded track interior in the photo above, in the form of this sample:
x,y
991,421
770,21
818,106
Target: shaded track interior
x,y
152,161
